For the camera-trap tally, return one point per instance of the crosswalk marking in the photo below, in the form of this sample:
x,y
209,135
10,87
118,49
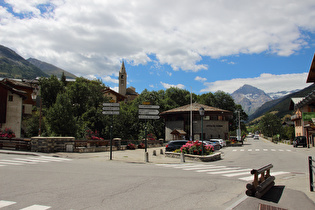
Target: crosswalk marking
x,y
6,203
36,207
31,160
258,150
229,171
226,171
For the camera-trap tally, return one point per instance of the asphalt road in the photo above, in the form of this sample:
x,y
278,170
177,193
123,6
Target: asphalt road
x,y
97,183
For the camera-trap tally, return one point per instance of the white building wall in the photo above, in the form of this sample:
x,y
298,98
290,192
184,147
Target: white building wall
x,y
14,114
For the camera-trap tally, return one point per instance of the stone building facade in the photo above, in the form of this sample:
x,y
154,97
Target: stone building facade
x,y
215,122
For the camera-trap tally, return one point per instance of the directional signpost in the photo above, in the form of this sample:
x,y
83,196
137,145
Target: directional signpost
x,y
111,109
148,112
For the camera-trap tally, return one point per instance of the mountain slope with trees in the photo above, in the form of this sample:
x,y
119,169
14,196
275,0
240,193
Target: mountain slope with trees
x,y
50,69
13,65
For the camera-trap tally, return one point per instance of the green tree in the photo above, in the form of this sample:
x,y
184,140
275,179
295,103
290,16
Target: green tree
x,y
270,125
63,79
206,99
224,101
49,89
60,119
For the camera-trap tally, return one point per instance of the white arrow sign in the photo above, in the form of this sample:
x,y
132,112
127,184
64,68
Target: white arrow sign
x,y
110,112
149,111
111,108
149,117
149,106
111,104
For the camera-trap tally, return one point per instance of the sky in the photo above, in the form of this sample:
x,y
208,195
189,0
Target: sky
x,y
201,46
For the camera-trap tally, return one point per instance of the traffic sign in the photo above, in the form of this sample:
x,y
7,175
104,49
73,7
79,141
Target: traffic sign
x,y
110,112
111,108
111,104
149,117
149,106
148,111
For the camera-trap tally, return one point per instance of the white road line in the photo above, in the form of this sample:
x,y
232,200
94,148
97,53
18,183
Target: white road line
x,y
55,158
32,160
198,168
273,150
211,169
6,203
249,150
36,207
257,150
265,150
242,150
10,163
288,150
219,170
234,150
281,150
230,171
18,161
190,166
237,174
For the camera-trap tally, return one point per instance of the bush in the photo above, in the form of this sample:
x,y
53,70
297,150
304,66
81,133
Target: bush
x,y
195,148
141,146
131,146
7,133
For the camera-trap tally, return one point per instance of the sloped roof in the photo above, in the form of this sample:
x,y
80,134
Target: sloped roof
x,y
311,73
21,93
195,108
176,131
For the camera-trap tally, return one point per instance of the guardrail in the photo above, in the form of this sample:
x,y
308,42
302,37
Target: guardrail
x,y
312,172
261,184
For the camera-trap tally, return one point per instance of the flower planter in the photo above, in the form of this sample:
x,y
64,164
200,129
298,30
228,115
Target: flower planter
x,y
206,158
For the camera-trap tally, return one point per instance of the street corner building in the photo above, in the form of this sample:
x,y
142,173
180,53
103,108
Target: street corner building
x,y
185,123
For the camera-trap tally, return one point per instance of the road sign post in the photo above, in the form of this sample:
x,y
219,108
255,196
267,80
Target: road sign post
x,y
111,109
148,112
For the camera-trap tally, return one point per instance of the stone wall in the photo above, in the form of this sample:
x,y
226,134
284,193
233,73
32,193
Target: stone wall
x,y
52,144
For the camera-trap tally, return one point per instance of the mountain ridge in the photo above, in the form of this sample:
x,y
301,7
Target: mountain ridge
x,y
250,98
50,69
12,65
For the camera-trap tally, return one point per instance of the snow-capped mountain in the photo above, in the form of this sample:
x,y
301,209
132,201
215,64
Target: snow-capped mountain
x,y
280,94
250,98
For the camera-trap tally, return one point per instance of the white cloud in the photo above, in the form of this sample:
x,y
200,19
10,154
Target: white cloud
x,y
266,82
201,79
166,86
109,79
94,36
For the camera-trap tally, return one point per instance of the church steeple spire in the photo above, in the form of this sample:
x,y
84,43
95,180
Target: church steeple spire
x,y
122,79
122,69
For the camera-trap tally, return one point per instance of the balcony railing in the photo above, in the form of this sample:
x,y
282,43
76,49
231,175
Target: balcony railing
x,y
296,117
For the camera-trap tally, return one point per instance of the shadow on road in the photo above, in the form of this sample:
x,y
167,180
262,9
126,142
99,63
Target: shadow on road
x,y
274,194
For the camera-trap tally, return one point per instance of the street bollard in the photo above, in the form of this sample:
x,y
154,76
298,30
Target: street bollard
x,y
182,157
146,154
161,151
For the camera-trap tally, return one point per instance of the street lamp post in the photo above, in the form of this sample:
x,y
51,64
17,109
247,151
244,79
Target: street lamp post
x,y
202,113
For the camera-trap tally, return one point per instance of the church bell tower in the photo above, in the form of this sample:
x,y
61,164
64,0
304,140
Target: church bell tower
x,y
122,80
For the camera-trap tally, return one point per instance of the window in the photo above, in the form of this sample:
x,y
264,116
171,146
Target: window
x,y
10,97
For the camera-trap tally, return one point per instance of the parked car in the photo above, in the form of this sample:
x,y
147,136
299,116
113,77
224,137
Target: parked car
x,y
216,143
173,145
221,141
256,137
299,141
